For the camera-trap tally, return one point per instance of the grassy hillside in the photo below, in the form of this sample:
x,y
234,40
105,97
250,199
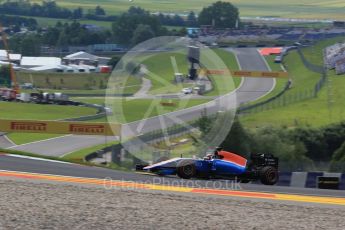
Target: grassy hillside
x,y
76,83
231,63
328,107
39,112
280,82
294,8
137,109
161,71
315,54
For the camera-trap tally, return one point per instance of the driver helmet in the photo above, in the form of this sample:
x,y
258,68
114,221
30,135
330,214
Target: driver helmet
x,y
219,148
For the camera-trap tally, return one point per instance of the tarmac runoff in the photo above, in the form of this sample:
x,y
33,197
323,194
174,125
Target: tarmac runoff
x,y
109,183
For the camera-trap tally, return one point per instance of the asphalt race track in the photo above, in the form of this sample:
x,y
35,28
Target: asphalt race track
x,y
4,141
250,89
60,146
15,163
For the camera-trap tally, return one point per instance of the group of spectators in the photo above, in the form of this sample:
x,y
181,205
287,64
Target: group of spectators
x,y
270,34
334,57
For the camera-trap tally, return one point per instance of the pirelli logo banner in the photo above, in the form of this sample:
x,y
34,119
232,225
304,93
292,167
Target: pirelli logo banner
x,y
60,127
241,73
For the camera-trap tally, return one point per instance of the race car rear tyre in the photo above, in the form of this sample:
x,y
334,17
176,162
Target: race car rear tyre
x,y
186,169
269,175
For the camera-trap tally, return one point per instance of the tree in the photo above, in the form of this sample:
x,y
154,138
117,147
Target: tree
x,y
132,67
281,143
128,22
204,123
237,140
338,160
142,33
220,15
31,46
178,20
77,13
51,36
15,43
99,11
62,39
334,136
314,141
113,61
192,20
5,76
137,11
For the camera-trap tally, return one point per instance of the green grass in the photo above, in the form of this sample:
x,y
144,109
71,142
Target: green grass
x,y
21,153
328,107
93,83
291,9
315,112
280,82
136,109
64,80
162,71
11,110
23,138
161,66
315,53
67,91
46,22
81,154
187,149
71,160
302,78
222,84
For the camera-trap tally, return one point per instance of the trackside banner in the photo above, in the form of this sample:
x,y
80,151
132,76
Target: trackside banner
x,y
241,73
60,127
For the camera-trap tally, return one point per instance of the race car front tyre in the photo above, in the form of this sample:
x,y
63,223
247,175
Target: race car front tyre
x,y
269,175
186,169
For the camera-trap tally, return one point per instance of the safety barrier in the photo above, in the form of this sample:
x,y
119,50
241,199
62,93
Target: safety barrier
x,y
243,73
308,179
60,127
282,99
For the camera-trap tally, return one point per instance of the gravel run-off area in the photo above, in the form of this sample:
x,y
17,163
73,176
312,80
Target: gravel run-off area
x,y
28,204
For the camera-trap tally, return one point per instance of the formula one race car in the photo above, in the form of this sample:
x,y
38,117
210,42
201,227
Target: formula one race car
x,y
221,164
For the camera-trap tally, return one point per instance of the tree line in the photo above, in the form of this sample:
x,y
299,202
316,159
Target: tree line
x,y
219,14
130,28
137,25
299,149
60,35
16,22
5,76
50,9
